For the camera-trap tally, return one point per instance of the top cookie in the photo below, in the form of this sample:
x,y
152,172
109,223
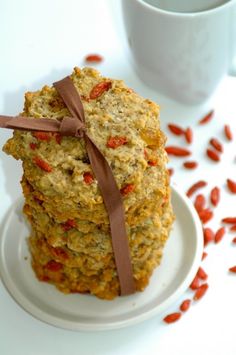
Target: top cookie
x,y
124,126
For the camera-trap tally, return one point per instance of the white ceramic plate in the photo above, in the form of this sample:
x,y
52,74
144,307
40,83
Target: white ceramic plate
x,y
182,256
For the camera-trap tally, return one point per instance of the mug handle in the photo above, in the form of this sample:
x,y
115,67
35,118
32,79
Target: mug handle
x,y
232,40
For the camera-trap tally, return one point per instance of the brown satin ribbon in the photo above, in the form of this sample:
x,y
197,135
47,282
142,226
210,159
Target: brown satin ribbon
x,y
75,126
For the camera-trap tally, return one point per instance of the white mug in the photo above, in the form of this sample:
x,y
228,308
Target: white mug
x,y
181,48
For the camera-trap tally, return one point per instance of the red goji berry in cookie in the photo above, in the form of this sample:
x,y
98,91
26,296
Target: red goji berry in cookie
x,y
116,141
99,89
127,189
88,178
43,165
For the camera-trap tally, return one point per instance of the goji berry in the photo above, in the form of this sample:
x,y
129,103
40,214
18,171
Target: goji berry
x,y
69,224
212,155
205,215
115,142
202,274
190,164
93,58
231,185
53,265
216,144
228,132
208,235
177,130
207,117
199,184
58,138
171,318
60,253
185,305
99,89
177,151
43,136
195,283
219,234
215,196
200,292
199,202
127,189
152,162
188,135
42,164
229,220
88,178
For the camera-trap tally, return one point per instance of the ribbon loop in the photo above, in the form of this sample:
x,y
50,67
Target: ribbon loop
x,y
71,126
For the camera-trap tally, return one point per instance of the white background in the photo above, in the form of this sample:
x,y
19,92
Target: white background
x,y
41,41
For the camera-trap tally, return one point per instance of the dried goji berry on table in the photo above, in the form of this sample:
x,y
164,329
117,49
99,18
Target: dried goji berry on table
x,y
219,234
216,144
208,235
197,185
173,317
229,220
215,196
213,155
93,58
99,89
205,215
195,284
190,164
177,151
202,274
188,135
207,117
200,292
231,185
175,129
199,202
185,305
228,132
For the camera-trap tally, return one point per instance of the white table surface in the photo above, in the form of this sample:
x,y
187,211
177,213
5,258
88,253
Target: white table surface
x,y
41,41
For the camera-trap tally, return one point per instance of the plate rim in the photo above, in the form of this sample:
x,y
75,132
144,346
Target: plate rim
x,y
52,320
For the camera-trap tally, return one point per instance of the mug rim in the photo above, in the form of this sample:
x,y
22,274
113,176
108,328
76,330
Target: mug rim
x,y
184,14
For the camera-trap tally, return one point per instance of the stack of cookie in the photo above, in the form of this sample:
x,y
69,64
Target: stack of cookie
x,y
70,240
